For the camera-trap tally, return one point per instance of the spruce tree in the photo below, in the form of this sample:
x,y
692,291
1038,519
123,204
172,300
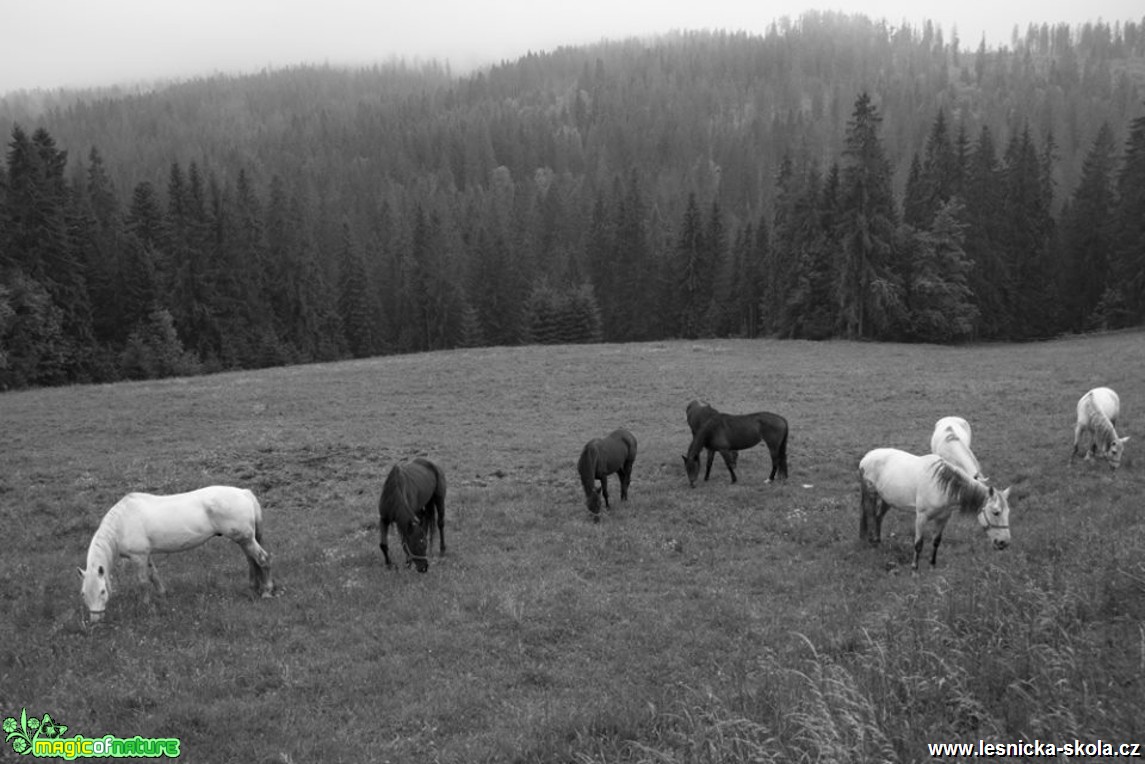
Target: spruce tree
x,y
1088,234
1128,267
870,294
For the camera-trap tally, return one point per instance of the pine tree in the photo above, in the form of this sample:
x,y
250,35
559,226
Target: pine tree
x,y
354,305
1025,239
989,277
1128,266
1088,233
941,305
870,291
690,272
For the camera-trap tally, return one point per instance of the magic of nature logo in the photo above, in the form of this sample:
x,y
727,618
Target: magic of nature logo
x,y
43,737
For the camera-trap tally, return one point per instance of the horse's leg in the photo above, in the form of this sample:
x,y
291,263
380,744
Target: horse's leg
x,y
711,458
604,490
258,562
142,564
625,480
881,509
385,547
868,504
440,501
919,526
934,551
730,462
153,574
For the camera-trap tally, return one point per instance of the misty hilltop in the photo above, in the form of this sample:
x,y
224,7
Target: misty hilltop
x,y
592,181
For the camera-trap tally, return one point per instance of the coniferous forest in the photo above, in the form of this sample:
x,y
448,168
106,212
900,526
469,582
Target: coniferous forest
x,y
835,177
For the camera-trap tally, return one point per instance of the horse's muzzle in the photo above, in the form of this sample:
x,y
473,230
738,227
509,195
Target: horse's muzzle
x,y
1001,544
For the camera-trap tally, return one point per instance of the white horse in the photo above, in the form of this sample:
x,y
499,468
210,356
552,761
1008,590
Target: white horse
x,y
1097,413
951,441
932,488
141,524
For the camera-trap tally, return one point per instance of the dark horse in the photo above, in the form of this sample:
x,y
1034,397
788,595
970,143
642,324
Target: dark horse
x,y
698,414
728,433
599,459
412,494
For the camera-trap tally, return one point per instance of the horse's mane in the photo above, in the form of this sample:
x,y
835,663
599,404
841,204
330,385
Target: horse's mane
x,y
961,488
104,542
1099,421
394,495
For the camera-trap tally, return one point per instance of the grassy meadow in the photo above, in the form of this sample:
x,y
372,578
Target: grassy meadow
x,y
727,623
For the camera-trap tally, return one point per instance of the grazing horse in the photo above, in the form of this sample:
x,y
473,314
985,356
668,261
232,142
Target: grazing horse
x,y
698,414
1097,413
411,496
600,458
933,488
951,441
729,433
141,524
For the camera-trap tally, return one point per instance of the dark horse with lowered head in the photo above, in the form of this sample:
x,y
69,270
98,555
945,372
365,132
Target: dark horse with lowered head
x,y
698,414
599,459
729,433
412,494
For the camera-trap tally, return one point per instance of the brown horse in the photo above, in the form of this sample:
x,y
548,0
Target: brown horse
x,y
698,414
728,433
411,496
599,459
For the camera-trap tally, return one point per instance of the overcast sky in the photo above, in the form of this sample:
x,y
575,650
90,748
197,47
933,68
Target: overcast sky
x,y
80,43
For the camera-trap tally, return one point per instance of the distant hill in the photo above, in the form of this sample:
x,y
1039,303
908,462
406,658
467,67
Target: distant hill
x,y
554,169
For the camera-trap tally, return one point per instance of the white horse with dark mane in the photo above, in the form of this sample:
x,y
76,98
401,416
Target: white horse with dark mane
x,y
951,441
932,488
1097,413
141,524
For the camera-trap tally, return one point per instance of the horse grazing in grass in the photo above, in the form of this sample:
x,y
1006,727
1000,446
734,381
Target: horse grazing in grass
x,y
600,458
412,496
951,441
932,488
1097,413
698,414
141,524
729,433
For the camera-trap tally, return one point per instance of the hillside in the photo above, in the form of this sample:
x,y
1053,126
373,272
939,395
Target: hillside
x,y
700,184
741,622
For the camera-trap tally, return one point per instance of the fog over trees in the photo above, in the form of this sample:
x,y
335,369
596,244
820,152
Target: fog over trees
x,y
833,178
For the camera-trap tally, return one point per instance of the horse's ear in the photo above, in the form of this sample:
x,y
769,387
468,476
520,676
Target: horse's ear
x,y
1126,438
685,459
1006,493
80,571
990,488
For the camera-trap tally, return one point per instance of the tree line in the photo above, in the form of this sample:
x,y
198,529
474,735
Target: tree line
x,y
611,193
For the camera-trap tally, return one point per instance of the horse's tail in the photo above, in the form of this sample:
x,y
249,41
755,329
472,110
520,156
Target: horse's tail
x,y
257,509
781,455
437,504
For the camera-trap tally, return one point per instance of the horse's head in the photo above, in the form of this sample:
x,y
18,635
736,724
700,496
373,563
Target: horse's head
x,y
95,590
1114,450
692,467
415,546
592,499
994,517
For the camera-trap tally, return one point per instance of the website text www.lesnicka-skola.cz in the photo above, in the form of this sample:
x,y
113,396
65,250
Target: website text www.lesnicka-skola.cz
x,y
1036,748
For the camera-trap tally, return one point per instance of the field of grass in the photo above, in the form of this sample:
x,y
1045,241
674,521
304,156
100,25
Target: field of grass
x,y
738,622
